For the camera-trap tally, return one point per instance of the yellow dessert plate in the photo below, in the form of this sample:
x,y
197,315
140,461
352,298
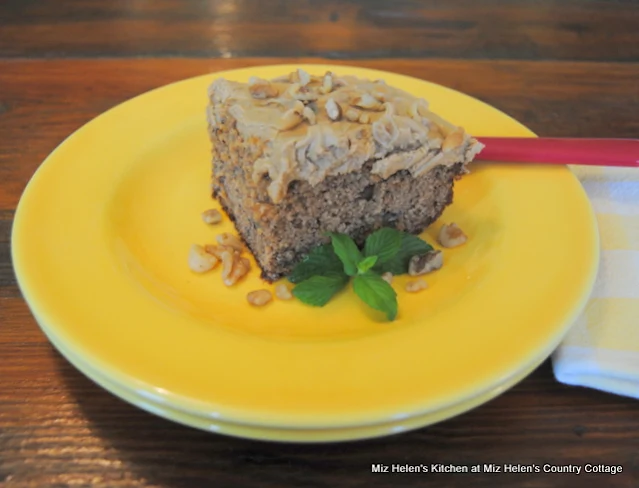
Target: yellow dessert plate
x,y
293,434
100,245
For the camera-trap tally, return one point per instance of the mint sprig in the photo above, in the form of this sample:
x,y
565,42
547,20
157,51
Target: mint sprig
x,y
365,264
318,290
347,251
327,269
411,245
321,261
376,293
384,243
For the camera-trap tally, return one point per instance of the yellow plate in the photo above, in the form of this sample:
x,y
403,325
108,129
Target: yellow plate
x,y
327,434
103,230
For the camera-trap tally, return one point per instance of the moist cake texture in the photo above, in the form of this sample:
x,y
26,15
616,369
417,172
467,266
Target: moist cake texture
x,y
301,155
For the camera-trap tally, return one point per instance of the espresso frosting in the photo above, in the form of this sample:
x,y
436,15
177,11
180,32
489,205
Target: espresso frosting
x,y
312,127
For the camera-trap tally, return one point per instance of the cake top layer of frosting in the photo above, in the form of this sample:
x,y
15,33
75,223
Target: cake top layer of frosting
x,y
312,127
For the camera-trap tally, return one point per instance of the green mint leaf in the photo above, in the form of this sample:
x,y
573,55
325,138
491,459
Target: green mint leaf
x,y
318,290
384,243
347,251
322,260
365,264
411,246
376,293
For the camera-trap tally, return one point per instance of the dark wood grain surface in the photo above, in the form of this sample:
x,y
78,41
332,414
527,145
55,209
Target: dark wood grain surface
x,y
493,29
562,68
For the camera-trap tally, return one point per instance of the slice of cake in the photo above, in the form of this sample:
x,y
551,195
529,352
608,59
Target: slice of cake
x,y
301,155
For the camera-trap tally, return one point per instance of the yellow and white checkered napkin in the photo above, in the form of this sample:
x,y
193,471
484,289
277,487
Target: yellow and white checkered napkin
x,y
602,348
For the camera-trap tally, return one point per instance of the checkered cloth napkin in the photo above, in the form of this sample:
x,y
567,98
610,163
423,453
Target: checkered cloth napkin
x,y
602,348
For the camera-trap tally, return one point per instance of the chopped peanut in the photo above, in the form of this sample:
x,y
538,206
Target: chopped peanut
x,y
425,263
388,277
282,292
309,115
217,250
303,76
227,264
241,267
416,285
259,298
453,140
367,101
261,89
292,118
352,114
212,216
451,235
230,240
327,83
364,118
200,261
333,110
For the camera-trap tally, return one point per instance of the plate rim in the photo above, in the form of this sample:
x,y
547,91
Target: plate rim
x,y
292,434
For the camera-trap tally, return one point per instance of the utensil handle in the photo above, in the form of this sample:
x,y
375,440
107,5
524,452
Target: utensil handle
x,y
596,152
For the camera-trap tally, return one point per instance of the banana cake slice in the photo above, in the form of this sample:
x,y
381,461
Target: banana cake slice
x,y
299,156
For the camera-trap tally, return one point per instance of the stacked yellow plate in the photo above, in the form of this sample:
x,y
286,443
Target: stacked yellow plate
x,y
100,243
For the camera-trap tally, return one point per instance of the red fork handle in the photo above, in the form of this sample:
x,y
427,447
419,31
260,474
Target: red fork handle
x,y
596,152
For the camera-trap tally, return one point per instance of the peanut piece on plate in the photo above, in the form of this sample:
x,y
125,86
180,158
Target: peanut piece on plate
x,y
229,240
282,292
388,277
450,235
200,261
212,216
259,298
227,258
216,250
416,285
425,263
240,269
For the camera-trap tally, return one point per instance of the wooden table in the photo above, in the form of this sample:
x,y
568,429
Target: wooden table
x,y
561,67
